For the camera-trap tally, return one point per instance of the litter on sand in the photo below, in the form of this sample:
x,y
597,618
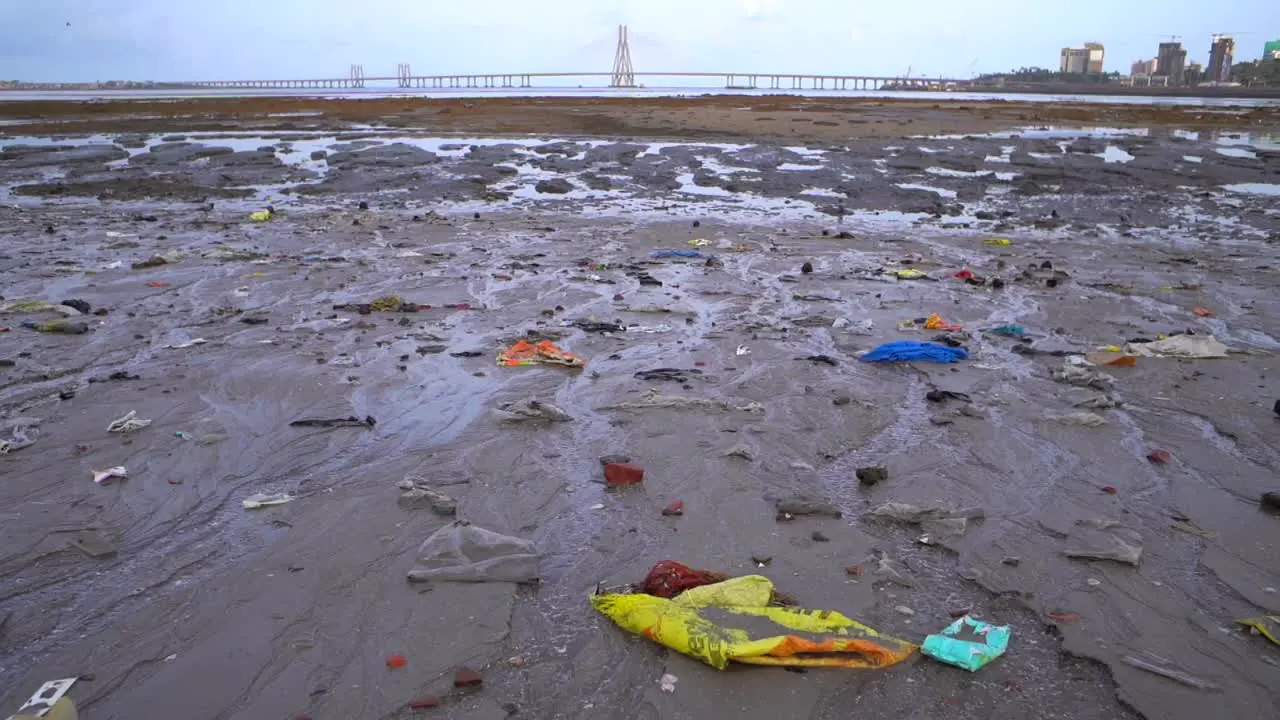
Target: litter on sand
x,y
48,702
659,254
968,643
544,352
530,409
735,621
1186,346
913,351
101,476
1083,419
907,274
935,322
1268,626
998,242
1100,539
1012,330
128,423
462,552
257,501
653,399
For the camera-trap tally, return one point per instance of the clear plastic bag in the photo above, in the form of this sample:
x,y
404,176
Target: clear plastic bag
x,y
462,552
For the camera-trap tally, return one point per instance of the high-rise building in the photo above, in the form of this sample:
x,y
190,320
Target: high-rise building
x,y
1074,61
1271,50
1093,64
1171,61
1143,67
1220,58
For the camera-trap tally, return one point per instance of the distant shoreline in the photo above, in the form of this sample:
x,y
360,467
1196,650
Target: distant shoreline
x,y
961,93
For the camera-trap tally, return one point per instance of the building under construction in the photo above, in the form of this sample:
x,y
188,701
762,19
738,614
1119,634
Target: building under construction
x,y
1220,53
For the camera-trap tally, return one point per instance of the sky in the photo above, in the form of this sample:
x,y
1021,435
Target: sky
x,y
93,40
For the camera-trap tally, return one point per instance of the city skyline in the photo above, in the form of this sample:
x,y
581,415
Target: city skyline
x,y
87,40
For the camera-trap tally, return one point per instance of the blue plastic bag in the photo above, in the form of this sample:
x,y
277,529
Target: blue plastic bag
x,y
911,350
968,654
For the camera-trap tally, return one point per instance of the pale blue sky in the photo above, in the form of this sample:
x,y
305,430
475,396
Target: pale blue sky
x,y
242,39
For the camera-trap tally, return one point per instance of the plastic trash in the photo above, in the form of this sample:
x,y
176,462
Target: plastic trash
x,y
530,409
128,423
907,274
912,351
101,476
1100,539
261,215
1187,346
659,254
938,522
1268,626
258,501
935,322
1083,419
968,643
998,242
732,621
48,702
1012,330
462,552
545,352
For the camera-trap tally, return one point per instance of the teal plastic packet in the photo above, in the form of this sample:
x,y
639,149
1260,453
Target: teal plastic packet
x,y
968,643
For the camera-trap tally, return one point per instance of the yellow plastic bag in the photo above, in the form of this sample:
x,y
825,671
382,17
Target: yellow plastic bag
x,y
685,625
1001,242
260,215
906,273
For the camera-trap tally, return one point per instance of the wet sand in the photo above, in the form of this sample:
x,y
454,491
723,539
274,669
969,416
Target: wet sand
x,y
208,610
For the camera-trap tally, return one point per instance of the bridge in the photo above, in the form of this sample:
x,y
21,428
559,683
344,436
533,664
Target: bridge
x,y
623,76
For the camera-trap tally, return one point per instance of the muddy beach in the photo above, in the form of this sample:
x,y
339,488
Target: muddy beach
x,y
480,223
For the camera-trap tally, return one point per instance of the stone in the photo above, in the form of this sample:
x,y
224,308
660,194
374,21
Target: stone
x,y
554,186
806,268
619,474
1271,500
614,459
904,610
819,537
424,702
870,476
466,677
789,508
842,399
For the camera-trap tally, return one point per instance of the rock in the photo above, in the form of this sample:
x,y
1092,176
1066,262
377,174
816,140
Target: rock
x,y
761,560
83,307
1271,500
153,261
466,677
870,476
904,610
424,702
806,268
819,537
319,154
842,399
614,459
1276,409
788,508
1012,561
619,474
554,186
363,205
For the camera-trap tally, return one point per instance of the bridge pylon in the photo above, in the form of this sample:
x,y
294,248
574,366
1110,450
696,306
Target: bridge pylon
x,y
624,76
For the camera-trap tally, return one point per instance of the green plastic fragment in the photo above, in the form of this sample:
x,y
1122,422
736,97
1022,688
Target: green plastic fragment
x,y
968,643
